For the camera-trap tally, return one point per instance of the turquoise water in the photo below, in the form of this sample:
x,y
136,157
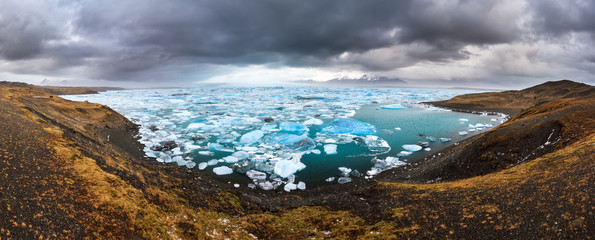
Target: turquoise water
x,y
412,121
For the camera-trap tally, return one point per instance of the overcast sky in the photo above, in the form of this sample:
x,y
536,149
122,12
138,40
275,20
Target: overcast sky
x,y
148,43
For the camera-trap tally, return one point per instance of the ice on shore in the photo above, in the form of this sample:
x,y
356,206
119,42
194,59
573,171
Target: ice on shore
x,y
301,186
290,187
343,180
257,175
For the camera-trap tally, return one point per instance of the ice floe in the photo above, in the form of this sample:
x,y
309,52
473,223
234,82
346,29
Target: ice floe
x,y
330,149
411,147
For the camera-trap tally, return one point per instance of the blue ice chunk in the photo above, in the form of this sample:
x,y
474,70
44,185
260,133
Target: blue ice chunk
x,y
293,127
292,141
348,126
251,137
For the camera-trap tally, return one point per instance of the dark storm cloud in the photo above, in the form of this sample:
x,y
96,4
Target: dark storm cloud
x,y
557,17
24,31
148,39
291,32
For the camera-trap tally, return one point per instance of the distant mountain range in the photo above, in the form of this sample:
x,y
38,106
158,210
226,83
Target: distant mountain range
x,y
363,81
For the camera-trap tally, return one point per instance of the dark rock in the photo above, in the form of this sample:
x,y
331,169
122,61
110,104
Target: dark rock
x,y
169,145
423,144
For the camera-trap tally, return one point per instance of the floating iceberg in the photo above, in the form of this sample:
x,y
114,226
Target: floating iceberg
x,y
293,127
404,154
251,137
345,171
464,120
463,133
202,165
376,144
286,168
313,121
190,164
223,170
212,162
230,159
393,106
330,149
206,153
445,139
296,142
348,126
411,147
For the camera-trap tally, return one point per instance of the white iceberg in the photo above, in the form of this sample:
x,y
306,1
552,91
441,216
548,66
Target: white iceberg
x,y
202,165
313,121
411,147
330,149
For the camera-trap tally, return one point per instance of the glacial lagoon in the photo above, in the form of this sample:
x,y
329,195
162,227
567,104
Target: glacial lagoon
x,y
292,138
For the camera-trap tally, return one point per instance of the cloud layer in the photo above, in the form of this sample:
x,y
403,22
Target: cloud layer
x,y
178,42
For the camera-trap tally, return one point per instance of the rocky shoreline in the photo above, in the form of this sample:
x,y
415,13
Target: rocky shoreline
x,y
487,185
